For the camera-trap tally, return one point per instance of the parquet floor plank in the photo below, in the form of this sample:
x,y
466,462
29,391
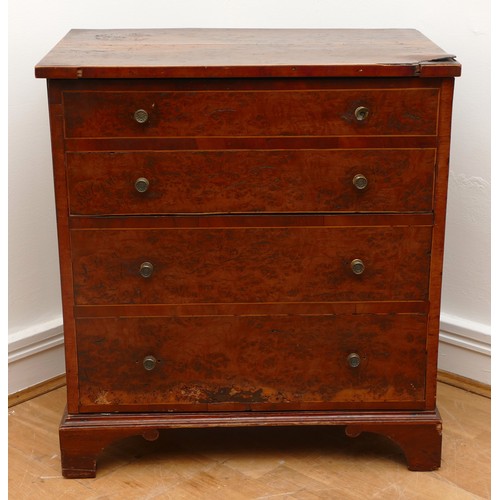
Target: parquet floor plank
x,y
253,463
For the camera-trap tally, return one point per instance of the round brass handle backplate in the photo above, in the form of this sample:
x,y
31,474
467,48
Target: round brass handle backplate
x,y
141,116
146,269
141,185
361,113
149,363
357,266
360,181
353,360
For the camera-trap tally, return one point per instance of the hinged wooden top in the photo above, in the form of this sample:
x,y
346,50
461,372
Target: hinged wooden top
x,y
222,53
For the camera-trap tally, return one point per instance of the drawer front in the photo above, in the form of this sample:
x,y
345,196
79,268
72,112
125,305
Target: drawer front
x,y
253,362
250,265
103,183
411,111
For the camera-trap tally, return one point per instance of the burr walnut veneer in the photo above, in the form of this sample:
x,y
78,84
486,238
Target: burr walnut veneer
x,y
251,228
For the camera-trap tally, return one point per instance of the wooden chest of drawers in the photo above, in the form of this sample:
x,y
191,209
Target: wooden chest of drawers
x,y
251,228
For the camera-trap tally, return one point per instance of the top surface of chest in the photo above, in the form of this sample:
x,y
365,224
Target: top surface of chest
x,y
209,53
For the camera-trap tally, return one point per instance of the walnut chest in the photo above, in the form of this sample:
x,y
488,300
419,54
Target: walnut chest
x,y
251,228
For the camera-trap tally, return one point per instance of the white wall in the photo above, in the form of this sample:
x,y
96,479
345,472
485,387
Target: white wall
x,y
461,27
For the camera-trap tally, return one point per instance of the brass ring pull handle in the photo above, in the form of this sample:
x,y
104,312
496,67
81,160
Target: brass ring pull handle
x,y
141,116
353,360
146,269
149,363
141,185
361,113
357,266
360,181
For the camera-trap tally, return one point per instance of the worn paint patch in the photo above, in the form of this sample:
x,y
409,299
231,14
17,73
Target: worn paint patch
x,y
233,395
102,398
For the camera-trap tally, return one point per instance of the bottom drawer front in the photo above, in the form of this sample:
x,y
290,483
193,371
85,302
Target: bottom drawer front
x,y
251,362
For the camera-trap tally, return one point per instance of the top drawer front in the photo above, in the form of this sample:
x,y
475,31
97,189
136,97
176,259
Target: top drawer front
x,y
411,111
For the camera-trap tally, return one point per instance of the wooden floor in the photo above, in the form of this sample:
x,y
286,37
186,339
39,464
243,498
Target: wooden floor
x,y
252,463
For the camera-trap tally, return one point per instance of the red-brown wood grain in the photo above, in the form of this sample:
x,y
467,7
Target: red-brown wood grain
x,y
84,436
245,143
251,222
251,113
206,53
65,257
437,254
251,181
280,264
161,85
249,308
214,360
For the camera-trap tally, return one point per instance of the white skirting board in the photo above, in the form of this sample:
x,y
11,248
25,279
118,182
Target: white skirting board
x,y
36,354
465,348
